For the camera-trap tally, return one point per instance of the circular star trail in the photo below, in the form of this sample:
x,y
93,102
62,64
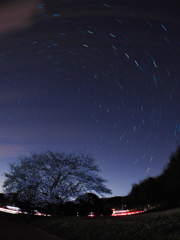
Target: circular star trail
x,y
100,77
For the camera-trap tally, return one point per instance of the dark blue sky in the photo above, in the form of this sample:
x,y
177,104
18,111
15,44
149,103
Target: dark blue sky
x,y
97,76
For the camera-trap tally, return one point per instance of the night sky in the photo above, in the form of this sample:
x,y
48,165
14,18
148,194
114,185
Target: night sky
x,y
91,75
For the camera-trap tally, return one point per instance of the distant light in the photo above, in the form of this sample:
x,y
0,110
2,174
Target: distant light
x,y
91,214
106,5
90,32
40,6
114,47
119,213
112,35
56,15
13,208
136,63
118,20
126,55
163,27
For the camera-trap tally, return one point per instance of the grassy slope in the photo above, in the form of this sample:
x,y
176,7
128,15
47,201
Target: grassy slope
x,y
149,226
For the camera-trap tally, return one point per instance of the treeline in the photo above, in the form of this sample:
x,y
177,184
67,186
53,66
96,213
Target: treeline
x,y
162,191
82,206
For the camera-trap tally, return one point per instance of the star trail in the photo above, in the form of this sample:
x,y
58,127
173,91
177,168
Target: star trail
x,y
98,76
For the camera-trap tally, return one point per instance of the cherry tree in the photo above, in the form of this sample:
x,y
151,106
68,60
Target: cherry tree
x,y
51,178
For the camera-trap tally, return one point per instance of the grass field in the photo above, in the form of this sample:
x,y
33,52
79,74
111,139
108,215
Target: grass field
x,y
147,226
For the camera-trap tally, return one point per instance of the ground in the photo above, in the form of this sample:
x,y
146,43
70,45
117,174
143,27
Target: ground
x,y
13,227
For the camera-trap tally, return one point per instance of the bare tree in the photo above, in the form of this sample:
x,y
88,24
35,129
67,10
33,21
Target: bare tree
x,y
51,178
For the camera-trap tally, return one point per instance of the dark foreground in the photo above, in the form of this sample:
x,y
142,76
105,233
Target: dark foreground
x,y
13,227
150,226
163,225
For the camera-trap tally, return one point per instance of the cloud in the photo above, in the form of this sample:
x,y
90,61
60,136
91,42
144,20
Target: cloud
x,y
17,15
161,10
21,13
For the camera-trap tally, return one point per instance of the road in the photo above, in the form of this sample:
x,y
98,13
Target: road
x,y
13,227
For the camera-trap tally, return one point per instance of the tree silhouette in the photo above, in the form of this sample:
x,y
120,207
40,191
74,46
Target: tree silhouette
x,y
160,191
52,178
171,177
89,202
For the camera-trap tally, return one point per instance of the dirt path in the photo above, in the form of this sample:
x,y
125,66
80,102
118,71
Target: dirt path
x,y
13,228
